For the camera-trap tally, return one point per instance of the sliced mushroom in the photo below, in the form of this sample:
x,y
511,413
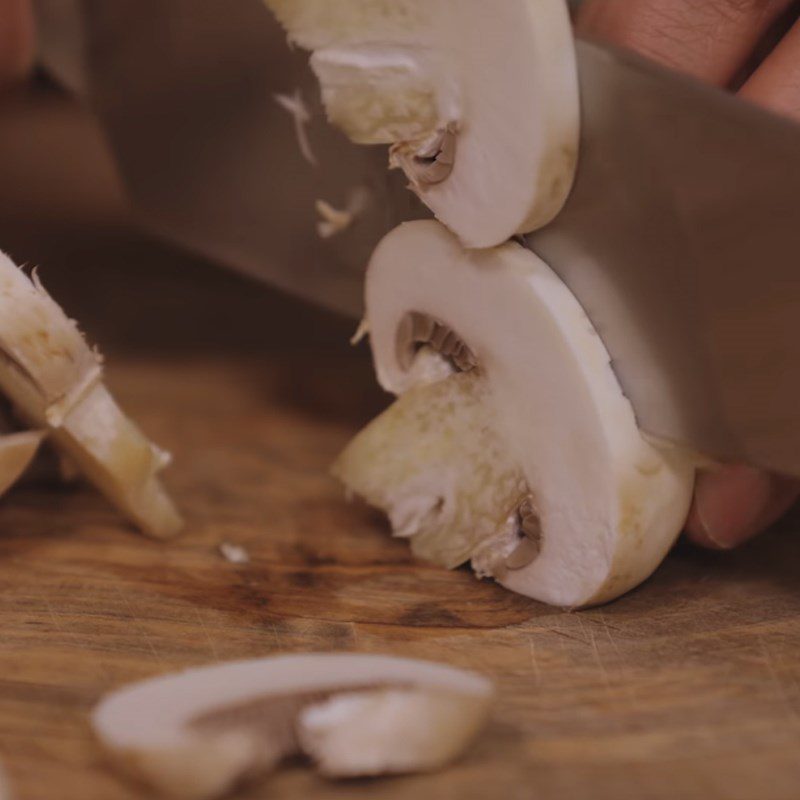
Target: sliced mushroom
x,y
5,791
16,453
480,109
531,463
53,380
198,733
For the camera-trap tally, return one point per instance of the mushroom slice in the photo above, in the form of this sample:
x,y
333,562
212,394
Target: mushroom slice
x,y
480,109
527,459
16,453
53,379
198,733
5,792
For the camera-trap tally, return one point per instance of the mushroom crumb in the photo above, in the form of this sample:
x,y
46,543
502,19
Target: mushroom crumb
x,y
301,116
234,553
334,220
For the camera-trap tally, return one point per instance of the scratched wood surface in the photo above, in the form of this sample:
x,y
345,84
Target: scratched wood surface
x,y
688,687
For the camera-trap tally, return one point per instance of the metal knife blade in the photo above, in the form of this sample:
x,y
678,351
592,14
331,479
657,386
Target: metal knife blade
x,y
679,239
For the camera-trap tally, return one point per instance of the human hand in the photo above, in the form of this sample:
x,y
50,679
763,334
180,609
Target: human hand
x,y
753,47
16,41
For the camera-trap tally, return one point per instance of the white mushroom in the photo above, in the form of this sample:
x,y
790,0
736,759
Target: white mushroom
x,y
480,109
5,791
522,453
53,380
198,733
16,453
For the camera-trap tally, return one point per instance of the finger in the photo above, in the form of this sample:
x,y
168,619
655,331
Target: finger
x,y
776,83
734,503
16,40
709,39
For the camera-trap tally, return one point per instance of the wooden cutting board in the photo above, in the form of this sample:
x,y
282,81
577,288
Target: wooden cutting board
x,y
689,687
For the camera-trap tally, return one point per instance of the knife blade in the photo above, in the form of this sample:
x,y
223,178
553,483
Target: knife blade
x,y
679,237
681,241
186,93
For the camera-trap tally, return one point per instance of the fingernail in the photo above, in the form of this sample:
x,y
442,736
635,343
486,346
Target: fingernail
x,y
730,502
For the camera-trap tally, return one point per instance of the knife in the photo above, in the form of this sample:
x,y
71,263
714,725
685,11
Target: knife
x,y
680,238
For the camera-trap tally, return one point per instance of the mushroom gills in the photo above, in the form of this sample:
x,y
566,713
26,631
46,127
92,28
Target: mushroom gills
x,y
511,443
199,733
480,110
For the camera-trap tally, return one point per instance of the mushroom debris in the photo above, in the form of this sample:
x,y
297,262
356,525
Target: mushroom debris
x,y
512,444
480,109
301,116
54,383
199,733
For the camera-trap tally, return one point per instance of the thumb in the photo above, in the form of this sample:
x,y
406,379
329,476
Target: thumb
x,y
16,40
735,502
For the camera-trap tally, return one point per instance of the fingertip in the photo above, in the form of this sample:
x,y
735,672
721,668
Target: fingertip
x,y
696,532
17,40
736,502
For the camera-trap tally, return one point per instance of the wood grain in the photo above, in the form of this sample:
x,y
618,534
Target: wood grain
x,y
687,687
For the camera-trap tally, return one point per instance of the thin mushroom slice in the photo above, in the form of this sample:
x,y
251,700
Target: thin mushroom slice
x,y
529,463
16,453
5,791
198,733
480,109
53,380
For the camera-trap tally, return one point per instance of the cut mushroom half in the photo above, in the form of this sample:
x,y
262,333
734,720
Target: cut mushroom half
x,y
53,380
5,791
198,733
480,109
523,456
16,453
